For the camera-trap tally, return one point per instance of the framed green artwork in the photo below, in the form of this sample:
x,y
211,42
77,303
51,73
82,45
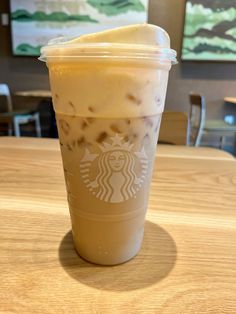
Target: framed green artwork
x,y
35,22
210,30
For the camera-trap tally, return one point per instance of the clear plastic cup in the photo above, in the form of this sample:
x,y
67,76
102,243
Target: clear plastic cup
x,y
108,99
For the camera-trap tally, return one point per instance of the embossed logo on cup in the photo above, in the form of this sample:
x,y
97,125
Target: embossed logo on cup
x,y
120,172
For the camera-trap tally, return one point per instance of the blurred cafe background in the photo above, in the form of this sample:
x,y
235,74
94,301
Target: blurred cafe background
x,y
201,99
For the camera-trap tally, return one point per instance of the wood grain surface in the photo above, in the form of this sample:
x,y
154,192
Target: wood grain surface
x,y
170,151
231,100
34,93
174,128
187,263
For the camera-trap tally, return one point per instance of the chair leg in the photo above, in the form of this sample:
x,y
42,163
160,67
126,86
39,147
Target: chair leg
x,y
9,129
16,127
235,144
222,140
198,139
37,125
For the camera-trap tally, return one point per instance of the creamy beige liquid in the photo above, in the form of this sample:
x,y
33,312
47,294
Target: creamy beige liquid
x,y
108,116
108,190
107,212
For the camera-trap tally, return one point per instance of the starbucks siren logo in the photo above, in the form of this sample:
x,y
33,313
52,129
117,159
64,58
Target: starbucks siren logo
x,y
116,179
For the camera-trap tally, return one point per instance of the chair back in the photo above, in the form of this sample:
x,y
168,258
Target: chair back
x,y
197,117
4,91
174,128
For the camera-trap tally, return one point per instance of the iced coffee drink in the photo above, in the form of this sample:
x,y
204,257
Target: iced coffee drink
x,y
108,93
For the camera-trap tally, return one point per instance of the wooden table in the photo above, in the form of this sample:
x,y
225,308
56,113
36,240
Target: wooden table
x,y
219,126
231,100
40,93
188,260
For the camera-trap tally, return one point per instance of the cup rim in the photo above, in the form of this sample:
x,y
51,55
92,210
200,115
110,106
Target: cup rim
x,y
58,49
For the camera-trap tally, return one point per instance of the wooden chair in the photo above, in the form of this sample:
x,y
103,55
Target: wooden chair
x,y
17,118
200,125
174,128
